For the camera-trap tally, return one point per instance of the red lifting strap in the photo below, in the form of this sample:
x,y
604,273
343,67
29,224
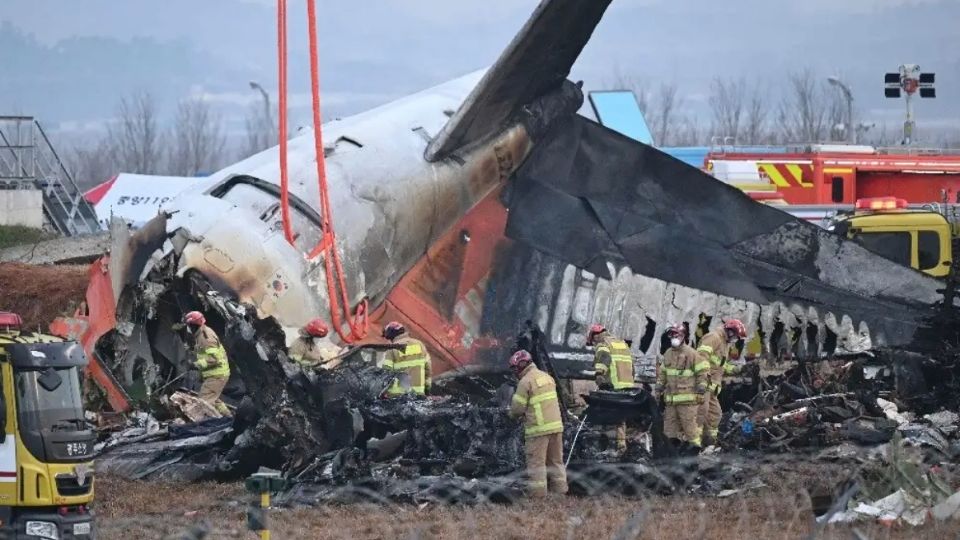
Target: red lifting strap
x,y
333,268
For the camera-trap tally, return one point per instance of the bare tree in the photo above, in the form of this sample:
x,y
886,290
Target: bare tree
x,y
261,133
663,117
197,140
133,137
727,105
640,90
837,117
949,139
688,132
91,165
755,122
803,114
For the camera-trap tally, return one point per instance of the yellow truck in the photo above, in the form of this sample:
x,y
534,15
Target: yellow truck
x,y
919,237
46,444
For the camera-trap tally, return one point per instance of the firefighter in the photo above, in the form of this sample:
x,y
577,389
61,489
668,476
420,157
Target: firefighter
x,y
210,359
613,364
681,386
308,350
613,361
412,359
536,402
715,348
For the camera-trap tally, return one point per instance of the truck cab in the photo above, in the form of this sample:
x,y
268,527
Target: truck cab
x,y
46,444
919,238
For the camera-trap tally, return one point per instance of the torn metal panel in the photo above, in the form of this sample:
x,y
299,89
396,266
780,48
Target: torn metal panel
x,y
129,252
187,459
624,201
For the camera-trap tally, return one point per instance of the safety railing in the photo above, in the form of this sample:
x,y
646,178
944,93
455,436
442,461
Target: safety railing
x,y
28,160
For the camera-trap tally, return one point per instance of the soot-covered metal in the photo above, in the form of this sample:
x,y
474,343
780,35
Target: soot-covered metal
x,y
587,195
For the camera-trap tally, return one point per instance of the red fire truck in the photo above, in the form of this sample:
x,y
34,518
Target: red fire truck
x,y
841,174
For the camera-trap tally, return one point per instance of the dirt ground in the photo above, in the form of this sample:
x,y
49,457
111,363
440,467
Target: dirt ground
x,y
41,293
150,510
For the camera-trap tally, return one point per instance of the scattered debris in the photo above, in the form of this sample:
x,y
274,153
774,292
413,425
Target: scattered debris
x,y
192,407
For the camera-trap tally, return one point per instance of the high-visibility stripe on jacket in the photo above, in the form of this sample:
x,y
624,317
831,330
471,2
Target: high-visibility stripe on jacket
x,y
415,361
536,401
680,373
613,363
211,356
715,349
312,352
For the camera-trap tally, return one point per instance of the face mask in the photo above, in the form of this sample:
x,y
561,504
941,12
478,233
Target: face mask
x,y
675,342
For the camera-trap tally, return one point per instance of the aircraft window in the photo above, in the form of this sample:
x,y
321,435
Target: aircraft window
x,y
928,249
266,206
892,245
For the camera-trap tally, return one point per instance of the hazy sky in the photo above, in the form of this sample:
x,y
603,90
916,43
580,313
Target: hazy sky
x,y
69,61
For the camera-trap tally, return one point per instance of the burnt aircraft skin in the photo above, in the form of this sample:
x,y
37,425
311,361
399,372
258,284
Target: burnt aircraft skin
x,y
389,201
589,196
404,174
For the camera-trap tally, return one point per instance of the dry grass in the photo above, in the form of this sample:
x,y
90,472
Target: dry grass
x,y
17,235
41,293
153,510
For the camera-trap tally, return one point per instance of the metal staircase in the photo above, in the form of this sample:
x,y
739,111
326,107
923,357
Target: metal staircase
x,y
28,161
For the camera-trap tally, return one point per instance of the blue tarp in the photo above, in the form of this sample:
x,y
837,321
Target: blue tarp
x,y
691,155
619,111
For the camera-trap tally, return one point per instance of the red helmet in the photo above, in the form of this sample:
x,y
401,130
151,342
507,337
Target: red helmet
x,y
316,328
735,326
194,318
595,330
393,329
520,360
677,330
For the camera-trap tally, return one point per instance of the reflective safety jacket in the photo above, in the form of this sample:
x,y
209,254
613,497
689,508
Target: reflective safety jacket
x,y
414,360
211,356
311,351
715,349
613,363
536,401
679,374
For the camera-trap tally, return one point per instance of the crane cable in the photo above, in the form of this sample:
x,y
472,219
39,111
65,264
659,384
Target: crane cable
x,y
333,268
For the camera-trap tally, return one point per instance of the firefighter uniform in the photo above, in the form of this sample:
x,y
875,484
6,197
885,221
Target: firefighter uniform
x,y
415,361
679,375
613,364
311,352
214,367
715,349
536,401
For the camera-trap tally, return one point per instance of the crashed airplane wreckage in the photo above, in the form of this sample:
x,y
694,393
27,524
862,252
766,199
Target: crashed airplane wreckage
x,y
462,213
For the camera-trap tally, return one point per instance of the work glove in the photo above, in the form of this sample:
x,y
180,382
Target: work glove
x,y
701,390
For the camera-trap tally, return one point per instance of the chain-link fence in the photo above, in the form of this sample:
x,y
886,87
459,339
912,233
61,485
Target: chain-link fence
x,y
896,490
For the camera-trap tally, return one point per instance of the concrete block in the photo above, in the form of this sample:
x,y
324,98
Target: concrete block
x,y
21,207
